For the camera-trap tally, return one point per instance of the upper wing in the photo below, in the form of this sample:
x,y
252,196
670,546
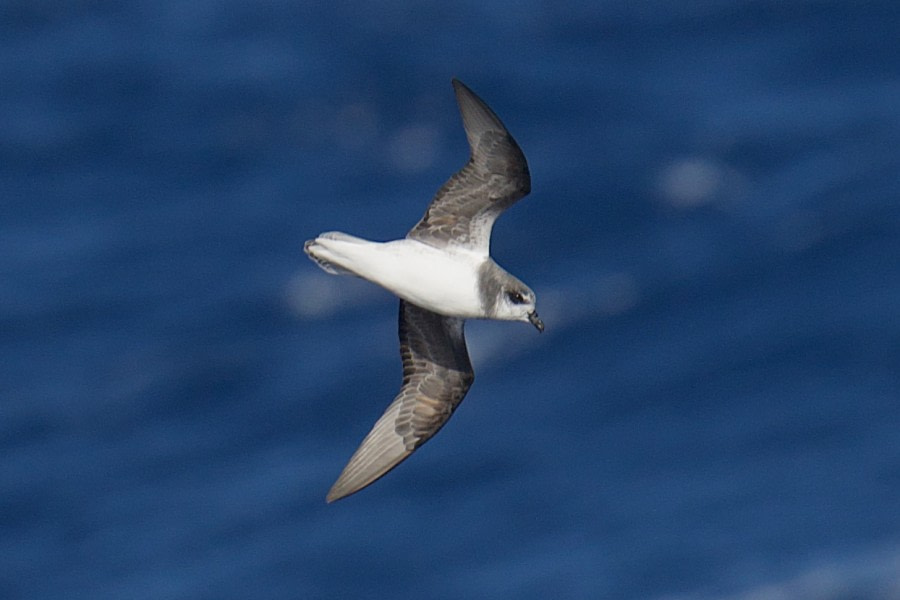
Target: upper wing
x,y
496,176
436,376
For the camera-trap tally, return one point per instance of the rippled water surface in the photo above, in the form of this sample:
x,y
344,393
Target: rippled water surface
x,y
713,235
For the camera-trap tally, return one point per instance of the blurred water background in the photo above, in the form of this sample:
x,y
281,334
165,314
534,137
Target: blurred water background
x,y
713,235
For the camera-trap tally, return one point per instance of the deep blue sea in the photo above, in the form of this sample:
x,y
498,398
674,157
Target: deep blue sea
x,y
713,235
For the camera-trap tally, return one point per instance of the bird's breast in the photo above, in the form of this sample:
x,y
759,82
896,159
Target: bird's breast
x,y
441,281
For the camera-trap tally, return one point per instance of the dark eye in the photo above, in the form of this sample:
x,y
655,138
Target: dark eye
x,y
515,297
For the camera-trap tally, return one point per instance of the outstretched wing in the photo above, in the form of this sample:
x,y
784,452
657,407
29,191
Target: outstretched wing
x,y
436,376
463,211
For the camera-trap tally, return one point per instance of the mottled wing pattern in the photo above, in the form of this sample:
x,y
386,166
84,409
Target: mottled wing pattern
x,y
436,376
464,210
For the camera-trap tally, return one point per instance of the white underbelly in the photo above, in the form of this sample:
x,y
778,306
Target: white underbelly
x,y
443,282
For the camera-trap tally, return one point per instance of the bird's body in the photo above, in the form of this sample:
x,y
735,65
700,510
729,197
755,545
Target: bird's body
x,y
433,278
443,273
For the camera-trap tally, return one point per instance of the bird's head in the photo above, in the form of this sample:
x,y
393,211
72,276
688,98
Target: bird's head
x,y
517,303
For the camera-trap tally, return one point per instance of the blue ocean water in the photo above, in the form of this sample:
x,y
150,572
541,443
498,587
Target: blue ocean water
x,y
713,235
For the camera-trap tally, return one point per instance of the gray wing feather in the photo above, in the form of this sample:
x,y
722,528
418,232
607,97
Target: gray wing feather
x,y
436,376
464,210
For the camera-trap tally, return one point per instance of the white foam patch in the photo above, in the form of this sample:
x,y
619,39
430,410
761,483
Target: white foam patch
x,y
693,181
610,294
874,575
318,295
559,307
413,148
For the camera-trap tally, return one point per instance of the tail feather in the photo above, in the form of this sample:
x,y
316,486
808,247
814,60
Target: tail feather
x,y
342,237
323,257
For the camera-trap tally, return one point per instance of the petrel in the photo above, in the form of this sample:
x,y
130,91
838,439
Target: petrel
x,y
444,274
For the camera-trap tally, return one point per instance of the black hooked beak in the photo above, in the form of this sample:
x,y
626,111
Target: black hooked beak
x,y
536,321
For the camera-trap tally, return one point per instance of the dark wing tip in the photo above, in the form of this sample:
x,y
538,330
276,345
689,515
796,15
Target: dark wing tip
x,y
437,374
478,118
